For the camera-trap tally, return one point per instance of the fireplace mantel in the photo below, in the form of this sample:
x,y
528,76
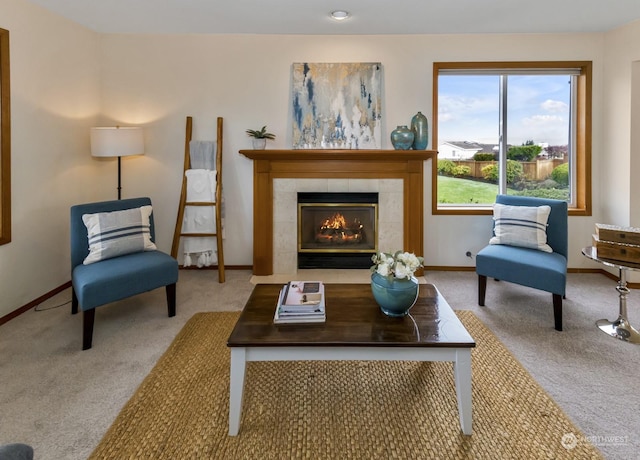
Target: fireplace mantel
x,y
407,165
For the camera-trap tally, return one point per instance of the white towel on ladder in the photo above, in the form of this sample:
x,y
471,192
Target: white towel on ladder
x,y
199,249
202,154
201,187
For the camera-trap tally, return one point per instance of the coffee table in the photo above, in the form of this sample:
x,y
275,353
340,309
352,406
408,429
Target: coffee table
x,y
355,330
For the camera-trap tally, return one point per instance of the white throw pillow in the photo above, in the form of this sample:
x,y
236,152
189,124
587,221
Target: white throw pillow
x,y
524,226
116,233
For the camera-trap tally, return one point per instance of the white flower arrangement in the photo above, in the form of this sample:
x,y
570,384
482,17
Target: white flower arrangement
x,y
399,265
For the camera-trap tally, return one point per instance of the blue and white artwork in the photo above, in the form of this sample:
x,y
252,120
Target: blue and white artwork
x,y
337,106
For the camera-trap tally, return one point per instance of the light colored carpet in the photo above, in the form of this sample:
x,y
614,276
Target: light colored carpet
x,y
327,410
327,276
62,400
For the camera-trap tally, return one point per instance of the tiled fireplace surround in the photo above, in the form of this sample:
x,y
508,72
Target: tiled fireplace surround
x,y
285,215
396,175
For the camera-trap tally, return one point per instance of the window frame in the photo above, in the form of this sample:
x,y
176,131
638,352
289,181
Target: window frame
x,y
5,141
583,111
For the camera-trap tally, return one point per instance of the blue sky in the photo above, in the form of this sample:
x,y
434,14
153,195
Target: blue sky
x,y
538,108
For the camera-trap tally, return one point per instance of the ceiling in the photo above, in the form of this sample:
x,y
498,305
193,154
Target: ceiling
x,y
367,16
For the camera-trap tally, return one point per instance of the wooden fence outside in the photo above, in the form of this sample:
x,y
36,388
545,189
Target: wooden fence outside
x,y
533,170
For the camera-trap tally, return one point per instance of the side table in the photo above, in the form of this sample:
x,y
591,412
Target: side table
x,y
620,328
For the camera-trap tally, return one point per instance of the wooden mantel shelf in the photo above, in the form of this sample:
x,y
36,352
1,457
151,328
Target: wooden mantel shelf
x,y
338,154
407,165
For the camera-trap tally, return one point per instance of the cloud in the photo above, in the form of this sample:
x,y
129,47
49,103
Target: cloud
x,y
544,120
540,128
455,107
554,106
444,117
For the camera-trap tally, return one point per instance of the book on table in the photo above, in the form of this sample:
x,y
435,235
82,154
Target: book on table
x,y
300,302
303,295
279,318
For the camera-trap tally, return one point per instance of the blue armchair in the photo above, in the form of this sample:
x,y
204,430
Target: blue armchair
x,y
114,278
534,268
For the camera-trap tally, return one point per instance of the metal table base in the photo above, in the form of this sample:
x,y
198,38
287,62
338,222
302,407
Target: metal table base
x,y
620,328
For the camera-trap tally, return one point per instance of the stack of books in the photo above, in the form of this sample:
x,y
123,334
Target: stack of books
x,y
617,243
301,302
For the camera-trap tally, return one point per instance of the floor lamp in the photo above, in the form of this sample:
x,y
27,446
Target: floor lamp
x,y
117,142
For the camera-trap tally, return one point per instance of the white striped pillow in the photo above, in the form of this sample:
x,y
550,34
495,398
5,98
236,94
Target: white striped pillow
x,y
524,226
116,233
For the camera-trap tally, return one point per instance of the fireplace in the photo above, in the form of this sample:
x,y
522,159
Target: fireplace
x,y
398,175
337,230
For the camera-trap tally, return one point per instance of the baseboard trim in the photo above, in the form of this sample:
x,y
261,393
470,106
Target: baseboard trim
x,y
437,268
616,278
34,303
215,267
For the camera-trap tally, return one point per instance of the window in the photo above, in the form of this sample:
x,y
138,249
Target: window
x,y
5,141
518,128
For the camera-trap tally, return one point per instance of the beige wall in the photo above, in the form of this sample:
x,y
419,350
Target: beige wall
x,y
246,79
55,77
621,188
66,79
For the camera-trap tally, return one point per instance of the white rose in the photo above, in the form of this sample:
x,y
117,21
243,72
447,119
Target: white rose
x,y
383,269
402,271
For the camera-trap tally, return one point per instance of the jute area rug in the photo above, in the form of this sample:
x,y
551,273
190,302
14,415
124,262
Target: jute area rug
x,y
337,409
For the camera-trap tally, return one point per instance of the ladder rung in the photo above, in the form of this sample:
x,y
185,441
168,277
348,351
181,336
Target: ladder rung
x,y
200,203
198,234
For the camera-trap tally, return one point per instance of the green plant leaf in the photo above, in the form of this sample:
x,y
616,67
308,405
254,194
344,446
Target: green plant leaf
x,y
260,134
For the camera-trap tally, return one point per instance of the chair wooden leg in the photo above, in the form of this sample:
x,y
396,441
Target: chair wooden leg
x,y
88,317
482,289
557,311
171,299
74,302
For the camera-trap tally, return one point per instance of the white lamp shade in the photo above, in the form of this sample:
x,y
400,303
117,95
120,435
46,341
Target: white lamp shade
x,y
117,142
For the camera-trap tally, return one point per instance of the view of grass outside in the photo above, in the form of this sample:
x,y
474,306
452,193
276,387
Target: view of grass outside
x,y
471,192
465,191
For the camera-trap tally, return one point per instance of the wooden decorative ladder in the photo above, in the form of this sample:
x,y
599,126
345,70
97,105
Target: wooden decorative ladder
x,y
178,233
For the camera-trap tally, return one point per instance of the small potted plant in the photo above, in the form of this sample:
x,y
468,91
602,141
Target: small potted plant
x,y
260,137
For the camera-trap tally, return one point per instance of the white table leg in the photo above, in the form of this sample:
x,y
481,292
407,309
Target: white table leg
x,y
462,369
236,388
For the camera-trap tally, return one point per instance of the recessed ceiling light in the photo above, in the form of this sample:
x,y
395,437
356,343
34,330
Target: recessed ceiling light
x,y
339,15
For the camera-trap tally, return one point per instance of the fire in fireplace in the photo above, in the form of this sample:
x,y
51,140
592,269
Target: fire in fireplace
x,y
337,230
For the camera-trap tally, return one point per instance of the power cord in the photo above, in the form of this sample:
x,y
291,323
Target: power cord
x,y
38,307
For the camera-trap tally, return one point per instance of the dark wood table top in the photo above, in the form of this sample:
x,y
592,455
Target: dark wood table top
x,y
353,319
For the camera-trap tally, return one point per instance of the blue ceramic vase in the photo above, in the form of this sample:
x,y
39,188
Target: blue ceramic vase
x,y
396,296
420,128
402,138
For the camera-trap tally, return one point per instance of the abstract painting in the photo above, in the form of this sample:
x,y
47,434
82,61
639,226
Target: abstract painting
x,y
337,106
